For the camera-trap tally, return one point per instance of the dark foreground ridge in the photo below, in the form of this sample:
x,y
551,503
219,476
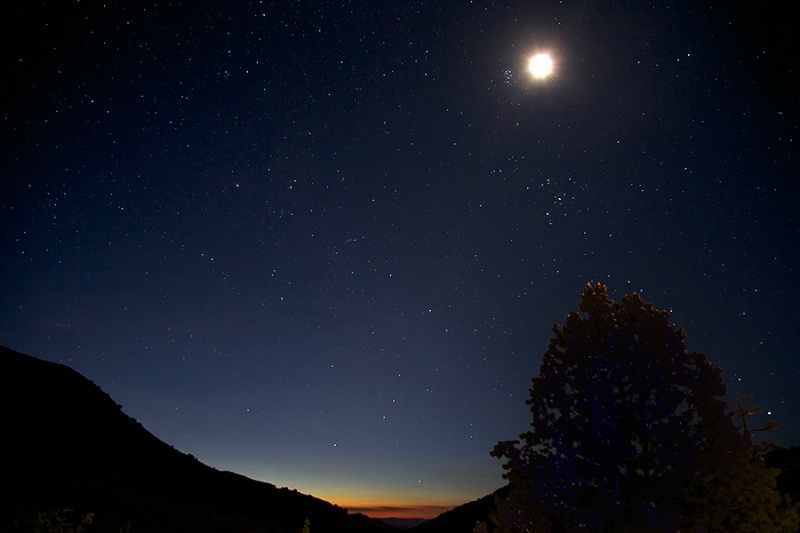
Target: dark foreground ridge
x,y
464,517
69,445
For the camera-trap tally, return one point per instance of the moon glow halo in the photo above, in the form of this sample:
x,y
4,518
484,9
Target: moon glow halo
x,y
541,65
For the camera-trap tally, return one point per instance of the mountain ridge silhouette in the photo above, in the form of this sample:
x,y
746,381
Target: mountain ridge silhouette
x,y
70,445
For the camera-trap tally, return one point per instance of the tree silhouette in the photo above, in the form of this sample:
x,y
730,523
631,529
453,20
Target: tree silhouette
x,y
629,433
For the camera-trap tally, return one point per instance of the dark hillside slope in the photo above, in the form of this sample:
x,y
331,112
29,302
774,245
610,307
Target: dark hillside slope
x,y
68,444
463,518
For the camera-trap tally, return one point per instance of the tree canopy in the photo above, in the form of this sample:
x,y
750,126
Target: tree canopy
x,y
630,432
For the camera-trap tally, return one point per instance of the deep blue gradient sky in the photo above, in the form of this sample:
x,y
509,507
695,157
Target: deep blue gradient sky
x,y
321,244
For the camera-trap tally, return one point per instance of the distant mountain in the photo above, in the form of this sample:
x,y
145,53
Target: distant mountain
x,y
463,518
67,444
403,523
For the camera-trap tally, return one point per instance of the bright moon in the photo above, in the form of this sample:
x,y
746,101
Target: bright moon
x,y
541,65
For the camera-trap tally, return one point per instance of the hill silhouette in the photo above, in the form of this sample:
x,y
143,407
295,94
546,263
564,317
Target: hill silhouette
x,y
69,445
464,517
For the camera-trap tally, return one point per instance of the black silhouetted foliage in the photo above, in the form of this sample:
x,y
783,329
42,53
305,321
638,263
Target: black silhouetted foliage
x,y
630,433
61,521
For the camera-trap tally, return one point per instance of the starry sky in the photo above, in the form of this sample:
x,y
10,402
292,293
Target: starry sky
x,y
322,244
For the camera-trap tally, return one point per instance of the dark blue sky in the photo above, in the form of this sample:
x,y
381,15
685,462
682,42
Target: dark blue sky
x,y
322,243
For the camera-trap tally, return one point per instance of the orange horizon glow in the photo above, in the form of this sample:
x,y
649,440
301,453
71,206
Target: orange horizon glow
x,y
424,512
376,498
382,507
391,506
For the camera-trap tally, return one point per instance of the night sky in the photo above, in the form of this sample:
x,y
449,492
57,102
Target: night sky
x,y
322,244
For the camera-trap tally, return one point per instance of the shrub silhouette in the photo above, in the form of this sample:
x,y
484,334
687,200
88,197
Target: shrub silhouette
x,y
61,521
